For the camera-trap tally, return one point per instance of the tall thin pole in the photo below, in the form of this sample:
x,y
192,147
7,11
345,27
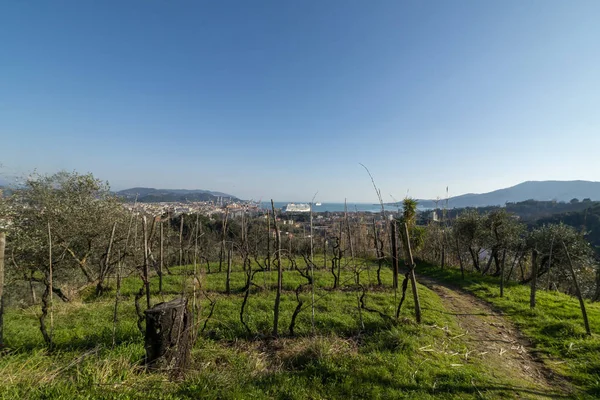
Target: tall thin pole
x,y
578,292
50,283
312,271
181,241
161,261
146,279
413,279
279,273
2,248
394,255
533,278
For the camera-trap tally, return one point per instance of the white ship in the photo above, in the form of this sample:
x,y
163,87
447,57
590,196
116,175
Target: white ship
x,y
296,208
317,204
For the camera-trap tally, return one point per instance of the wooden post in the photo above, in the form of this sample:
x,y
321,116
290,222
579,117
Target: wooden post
x,y
340,253
116,309
533,278
50,282
146,278
223,235
395,255
181,241
2,248
550,264
229,260
413,279
167,340
268,243
312,269
502,273
578,292
325,244
279,273
161,260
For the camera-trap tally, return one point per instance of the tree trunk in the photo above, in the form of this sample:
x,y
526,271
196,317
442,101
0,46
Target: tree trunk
x,y
395,255
597,292
105,268
167,340
460,260
475,258
443,256
578,292
533,278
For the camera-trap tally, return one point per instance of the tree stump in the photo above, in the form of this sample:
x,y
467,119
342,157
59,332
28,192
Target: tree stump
x,y
168,342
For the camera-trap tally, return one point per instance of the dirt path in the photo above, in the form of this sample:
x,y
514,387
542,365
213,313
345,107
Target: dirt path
x,y
495,339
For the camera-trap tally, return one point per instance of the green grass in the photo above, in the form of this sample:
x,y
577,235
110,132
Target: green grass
x,y
555,326
385,359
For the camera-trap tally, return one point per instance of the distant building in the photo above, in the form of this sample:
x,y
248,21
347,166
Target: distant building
x,y
296,208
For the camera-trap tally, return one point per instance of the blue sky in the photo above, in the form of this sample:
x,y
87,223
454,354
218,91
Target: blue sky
x,y
279,99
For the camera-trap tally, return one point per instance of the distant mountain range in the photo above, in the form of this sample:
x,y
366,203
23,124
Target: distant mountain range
x,y
530,190
151,195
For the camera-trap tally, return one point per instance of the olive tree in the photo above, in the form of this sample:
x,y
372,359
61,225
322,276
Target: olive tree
x,y
78,212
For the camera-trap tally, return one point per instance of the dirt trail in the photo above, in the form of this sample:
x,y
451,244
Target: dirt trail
x,y
497,341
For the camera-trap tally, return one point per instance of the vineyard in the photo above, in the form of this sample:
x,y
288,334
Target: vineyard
x,y
351,305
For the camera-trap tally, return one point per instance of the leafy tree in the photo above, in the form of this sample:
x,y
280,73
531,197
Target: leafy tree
x,y
502,233
553,260
78,212
469,230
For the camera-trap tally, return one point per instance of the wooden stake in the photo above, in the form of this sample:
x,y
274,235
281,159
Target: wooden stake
x,y
181,242
2,248
395,255
578,292
50,283
161,260
279,273
533,278
413,279
146,278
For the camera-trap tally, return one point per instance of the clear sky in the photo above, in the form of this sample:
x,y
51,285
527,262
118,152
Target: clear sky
x,y
279,99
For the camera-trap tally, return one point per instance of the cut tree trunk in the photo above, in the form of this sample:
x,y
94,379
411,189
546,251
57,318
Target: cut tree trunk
x,y
167,340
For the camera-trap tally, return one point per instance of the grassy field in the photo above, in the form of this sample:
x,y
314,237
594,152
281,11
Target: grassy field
x,y
384,359
555,326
